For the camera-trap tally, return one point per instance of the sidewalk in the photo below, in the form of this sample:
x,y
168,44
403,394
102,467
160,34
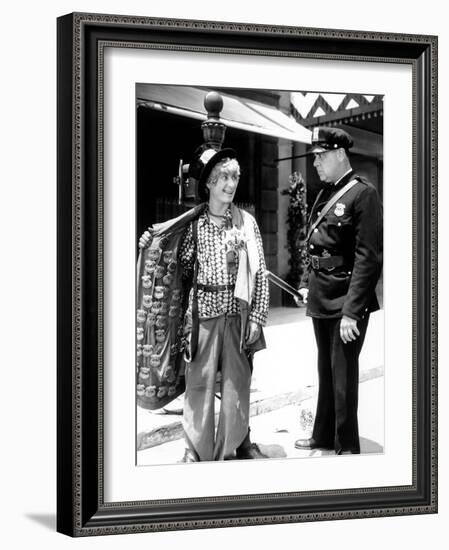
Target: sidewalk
x,y
284,386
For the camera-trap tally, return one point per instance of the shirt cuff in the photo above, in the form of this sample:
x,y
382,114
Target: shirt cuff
x,y
258,317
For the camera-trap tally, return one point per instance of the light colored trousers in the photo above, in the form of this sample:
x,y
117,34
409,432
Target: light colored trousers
x,y
218,348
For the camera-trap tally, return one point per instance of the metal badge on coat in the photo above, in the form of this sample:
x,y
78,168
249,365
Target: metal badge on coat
x,y
339,209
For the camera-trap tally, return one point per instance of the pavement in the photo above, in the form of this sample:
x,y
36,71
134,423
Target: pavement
x,y
283,395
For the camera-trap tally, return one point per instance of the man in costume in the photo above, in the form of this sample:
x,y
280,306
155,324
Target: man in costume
x,y
218,297
344,246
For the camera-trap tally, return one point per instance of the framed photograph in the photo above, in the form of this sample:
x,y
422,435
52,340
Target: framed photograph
x,y
234,201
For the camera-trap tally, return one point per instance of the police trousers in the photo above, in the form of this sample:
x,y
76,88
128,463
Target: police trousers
x,y
218,349
336,423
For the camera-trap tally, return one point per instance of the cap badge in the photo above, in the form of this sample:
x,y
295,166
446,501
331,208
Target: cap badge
x,y
315,134
339,209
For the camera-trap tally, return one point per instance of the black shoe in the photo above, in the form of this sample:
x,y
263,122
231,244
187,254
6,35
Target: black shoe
x,y
189,456
309,444
250,452
348,452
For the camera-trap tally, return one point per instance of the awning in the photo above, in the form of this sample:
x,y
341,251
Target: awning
x,y
240,113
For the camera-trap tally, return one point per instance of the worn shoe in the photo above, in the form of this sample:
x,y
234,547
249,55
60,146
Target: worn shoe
x,y
348,452
309,444
250,452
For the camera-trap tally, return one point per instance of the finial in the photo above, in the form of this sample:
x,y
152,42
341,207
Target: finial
x,y
213,102
213,129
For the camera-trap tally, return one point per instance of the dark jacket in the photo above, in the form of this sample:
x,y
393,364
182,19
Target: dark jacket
x,y
352,228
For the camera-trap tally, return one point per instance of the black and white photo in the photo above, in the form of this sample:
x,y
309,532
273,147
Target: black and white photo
x,y
284,154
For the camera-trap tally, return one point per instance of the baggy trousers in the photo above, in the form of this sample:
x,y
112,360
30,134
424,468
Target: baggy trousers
x,y
336,424
218,348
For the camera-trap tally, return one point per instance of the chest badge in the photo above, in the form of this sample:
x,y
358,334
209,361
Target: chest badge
x,y
339,209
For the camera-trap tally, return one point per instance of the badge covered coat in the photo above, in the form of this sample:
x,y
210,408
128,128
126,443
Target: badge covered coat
x,y
162,299
165,332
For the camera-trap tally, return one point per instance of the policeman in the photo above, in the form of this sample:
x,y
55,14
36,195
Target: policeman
x,y
344,245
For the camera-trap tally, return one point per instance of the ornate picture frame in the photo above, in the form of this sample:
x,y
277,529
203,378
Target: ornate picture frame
x,y
82,508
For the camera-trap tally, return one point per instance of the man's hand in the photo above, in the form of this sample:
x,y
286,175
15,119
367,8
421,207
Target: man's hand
x,y
252,332
145,240
348,329
304,294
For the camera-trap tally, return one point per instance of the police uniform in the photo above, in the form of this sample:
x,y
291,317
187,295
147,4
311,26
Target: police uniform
x,y
345,261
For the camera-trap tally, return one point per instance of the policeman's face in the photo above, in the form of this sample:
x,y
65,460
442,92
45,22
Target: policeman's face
x,y
223,182
328,165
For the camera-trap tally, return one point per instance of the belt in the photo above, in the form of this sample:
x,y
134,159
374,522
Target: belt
x,y
215,288
326,262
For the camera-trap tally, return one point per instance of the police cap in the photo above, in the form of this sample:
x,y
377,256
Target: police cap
x,y
327,139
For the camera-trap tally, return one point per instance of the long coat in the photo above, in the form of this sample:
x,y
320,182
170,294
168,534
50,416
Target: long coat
x,y
164,331
352,228
162,299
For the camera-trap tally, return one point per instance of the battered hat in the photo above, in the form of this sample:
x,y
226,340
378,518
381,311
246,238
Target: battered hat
x,y
205,159
328,139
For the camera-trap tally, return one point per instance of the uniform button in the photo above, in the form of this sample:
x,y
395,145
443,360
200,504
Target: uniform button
x,y
315,230
311,247
339,223
349,272
366,309
318,213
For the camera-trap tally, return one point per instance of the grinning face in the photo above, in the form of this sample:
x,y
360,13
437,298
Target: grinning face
x,y
223,182
329,165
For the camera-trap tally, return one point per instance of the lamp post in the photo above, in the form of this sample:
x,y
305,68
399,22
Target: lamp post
x,y
213,134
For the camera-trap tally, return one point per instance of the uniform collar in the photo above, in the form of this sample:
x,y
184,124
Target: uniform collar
x,y
344,179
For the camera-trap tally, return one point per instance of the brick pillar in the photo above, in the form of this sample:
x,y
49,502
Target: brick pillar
x,y
268,210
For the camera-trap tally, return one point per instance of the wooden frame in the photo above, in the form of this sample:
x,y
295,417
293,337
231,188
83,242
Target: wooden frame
x,y
81,507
